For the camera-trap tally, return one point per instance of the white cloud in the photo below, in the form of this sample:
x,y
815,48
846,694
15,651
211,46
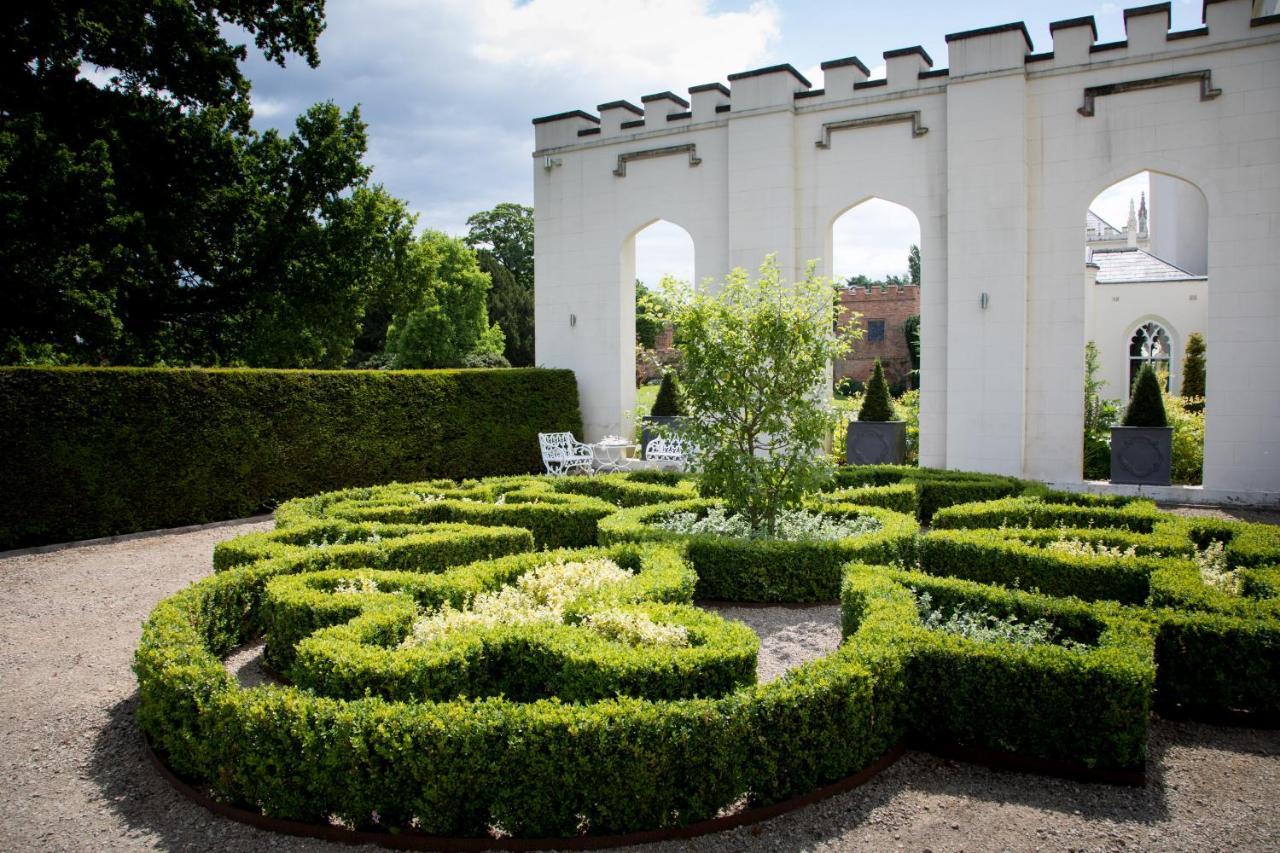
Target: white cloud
x,y
664,249
873,239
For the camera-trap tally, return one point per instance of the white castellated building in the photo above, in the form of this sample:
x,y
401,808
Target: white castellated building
x,y
999,156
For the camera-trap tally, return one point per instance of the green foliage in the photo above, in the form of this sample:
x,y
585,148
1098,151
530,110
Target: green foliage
x,y
511,308
650,316
670,399
1053,510
95,452
1193,369
503,238
913,265
450,319
1146,402
911,328
933,488
1187,420
148,223
763,569
754,351
877,406
1085,706
1099,415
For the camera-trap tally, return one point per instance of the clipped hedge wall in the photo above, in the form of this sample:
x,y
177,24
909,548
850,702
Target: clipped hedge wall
x,y
935,488
101,451
770,570
1140,516
1086,707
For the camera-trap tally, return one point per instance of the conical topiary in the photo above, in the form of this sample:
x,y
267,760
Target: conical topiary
x,y
670,399
1146,403
877,405
1193,367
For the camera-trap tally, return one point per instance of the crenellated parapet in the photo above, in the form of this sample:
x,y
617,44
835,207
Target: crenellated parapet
x,y
910,71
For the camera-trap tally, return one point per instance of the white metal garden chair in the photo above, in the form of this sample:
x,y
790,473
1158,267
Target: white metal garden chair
x,y
672,451
562,453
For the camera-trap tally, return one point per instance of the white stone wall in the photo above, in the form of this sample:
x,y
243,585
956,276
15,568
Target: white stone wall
x,y
998,163
1119,309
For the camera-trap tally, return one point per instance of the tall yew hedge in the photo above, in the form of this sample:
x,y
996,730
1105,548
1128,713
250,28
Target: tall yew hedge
x,y
101,451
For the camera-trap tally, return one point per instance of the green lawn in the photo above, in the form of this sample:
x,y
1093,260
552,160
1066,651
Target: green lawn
x,y
645,395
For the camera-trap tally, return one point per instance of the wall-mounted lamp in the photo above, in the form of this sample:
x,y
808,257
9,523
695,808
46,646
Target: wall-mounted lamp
x,y
550,163
573,320
983,300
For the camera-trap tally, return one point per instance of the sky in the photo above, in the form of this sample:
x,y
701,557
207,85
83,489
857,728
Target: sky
x,y
449,87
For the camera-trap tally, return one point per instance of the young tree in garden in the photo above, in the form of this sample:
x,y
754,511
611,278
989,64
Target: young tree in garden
x,y
507,232
650,316
1146,402
449,320
669,401
756,359
1193,369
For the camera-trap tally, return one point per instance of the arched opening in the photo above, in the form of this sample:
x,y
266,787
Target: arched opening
x,y
1146,265
875,263
661,250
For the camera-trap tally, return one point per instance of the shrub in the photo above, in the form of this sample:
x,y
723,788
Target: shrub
x,y
1086,704
935,488
877,405
739,569
1140,516
1146,402
102,451
1187,420
1193,371
670,399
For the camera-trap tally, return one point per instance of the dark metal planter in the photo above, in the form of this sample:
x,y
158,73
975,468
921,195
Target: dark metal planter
x,y
651,426
876,443
1142,456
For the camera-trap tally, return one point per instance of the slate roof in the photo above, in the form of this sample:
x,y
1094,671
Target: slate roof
x,y
1124,265
1100,229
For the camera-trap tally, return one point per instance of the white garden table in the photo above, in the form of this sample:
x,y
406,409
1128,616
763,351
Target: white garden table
x,y
611,455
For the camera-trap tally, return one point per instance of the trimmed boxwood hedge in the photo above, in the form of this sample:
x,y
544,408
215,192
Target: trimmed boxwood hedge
x,y
1081,706
103,451
935,488
761,570
459,767
1216,652
344,645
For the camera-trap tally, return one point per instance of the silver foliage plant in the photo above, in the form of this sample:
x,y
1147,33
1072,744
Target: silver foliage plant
x,y
757,355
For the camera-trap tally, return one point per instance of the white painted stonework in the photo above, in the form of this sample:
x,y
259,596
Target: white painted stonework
x,y
998,157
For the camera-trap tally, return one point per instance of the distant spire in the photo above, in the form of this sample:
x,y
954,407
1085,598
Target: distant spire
x,y
1142,215
1131,227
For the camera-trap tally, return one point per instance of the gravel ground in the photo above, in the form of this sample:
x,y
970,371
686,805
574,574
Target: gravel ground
x,y
73,774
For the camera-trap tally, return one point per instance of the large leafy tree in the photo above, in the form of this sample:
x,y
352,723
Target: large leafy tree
x,y
756,351
506,233
449,320
145,221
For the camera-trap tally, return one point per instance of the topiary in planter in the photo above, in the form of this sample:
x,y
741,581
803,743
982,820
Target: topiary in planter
x,y
1146,403
877,406
1142,449
876,438
670,399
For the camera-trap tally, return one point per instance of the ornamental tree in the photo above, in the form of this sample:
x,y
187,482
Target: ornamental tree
x,y
757,355
1193,367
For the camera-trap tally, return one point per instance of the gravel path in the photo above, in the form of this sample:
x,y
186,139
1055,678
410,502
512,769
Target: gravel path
x,y
73,775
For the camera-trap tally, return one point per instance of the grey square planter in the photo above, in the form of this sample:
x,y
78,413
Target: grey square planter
x,y
1141,456
650,427
876,443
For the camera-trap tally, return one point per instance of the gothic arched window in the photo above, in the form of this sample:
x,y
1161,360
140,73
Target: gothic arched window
x,y
1150,345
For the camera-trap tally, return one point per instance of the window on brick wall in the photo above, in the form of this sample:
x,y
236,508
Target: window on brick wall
x,y
875,331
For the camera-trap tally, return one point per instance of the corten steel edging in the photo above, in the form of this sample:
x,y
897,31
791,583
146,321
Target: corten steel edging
x,y
415,841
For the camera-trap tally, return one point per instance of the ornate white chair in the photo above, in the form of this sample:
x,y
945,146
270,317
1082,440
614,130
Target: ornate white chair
x,y
665,452
562,453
